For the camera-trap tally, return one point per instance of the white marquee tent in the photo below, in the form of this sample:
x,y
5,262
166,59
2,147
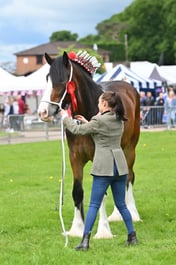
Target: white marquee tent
x,y
165,72
34,82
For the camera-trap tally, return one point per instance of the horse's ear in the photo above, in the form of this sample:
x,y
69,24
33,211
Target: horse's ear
x,y
48,59
65,59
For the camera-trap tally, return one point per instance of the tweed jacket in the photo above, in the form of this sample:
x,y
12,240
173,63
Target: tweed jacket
x,y
106,132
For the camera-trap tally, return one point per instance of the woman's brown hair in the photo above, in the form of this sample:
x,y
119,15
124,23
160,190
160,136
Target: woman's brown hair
x,y
115,103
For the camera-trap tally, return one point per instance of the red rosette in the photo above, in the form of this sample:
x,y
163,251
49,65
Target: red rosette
x,y
72,55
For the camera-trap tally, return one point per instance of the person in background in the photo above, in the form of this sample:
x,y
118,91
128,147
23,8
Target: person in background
x,y
109,166
170,109
21,111
15,114
160,108
142,105
149,106
2,110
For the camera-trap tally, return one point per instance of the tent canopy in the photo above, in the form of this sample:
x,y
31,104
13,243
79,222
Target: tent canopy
x,y
120,72
34,82
152,70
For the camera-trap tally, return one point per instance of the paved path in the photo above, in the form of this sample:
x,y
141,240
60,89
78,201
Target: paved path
x,y
29,136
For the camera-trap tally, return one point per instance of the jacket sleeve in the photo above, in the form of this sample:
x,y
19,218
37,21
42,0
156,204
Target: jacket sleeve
x,y
86,128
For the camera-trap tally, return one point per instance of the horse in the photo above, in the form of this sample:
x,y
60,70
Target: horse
x,y
71,86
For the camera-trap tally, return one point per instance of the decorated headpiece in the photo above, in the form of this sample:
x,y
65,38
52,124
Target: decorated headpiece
x,y
87,61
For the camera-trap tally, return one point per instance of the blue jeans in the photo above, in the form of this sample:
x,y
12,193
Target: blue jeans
x,y
118,188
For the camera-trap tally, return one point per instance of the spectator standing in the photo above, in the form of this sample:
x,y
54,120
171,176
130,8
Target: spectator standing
x,y
149,107
170,109
142,104
2,110
21,111
160,108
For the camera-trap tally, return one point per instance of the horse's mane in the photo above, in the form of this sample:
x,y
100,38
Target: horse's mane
x,y
57,72
90,90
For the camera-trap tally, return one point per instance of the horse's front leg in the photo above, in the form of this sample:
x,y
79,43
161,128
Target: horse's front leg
x,y
81,150
77,227
77,165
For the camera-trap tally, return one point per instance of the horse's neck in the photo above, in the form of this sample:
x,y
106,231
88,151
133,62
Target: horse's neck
x,y
89,100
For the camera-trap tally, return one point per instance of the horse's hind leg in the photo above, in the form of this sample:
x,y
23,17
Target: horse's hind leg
x,y
130,201
103,230
131,205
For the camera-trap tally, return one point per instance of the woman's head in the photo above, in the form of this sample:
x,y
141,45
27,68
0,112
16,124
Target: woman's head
x,y
111,101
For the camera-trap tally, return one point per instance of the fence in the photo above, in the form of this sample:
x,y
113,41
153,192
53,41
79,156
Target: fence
x,y
156,116
26,128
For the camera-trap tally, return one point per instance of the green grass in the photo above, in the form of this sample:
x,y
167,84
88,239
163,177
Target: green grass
x,y
30,229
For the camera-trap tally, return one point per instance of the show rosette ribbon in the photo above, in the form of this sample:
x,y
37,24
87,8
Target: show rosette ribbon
x,y
70,87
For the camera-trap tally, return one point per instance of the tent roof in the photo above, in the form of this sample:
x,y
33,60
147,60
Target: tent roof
x,y
166,72
156,75
34,82
120,72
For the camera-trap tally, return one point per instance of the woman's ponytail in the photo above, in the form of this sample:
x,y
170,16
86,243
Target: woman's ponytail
x,y
115,103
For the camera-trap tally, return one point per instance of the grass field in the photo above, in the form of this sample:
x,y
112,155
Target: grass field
x,y
30,230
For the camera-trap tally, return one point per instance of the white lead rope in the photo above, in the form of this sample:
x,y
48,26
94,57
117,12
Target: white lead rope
x,y
62,185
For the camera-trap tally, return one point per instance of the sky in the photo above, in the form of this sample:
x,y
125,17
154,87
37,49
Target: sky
x,y
28,23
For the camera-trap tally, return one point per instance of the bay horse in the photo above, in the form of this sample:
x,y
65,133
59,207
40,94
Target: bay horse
x,y
70,84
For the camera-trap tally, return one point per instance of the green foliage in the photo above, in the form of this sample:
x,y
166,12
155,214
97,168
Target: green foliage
x,y
117,51
63,35
150,26
30,229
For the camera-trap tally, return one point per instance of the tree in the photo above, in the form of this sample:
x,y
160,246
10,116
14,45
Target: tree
x,y
63,35
150,26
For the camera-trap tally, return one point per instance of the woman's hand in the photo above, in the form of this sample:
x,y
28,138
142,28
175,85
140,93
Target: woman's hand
x,y
63,113
80,118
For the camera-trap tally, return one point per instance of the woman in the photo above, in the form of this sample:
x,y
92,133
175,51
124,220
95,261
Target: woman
x,y
109,164
170,109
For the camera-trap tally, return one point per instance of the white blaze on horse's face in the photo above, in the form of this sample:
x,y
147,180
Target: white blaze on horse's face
x,y
45,109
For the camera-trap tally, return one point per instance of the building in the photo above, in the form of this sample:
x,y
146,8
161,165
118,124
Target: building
x,y
30,60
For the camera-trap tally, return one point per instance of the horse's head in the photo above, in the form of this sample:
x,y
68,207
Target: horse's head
x,y
55,96
68,74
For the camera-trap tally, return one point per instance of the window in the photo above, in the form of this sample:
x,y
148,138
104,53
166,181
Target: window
x,y
39,59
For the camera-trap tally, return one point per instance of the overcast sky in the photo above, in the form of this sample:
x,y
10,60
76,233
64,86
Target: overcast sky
x,y
28,23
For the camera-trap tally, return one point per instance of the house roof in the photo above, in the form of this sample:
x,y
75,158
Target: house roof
x,y
52,48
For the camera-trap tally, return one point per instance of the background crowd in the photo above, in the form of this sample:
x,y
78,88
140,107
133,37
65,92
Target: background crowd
x,y
154,110
12,113
158,110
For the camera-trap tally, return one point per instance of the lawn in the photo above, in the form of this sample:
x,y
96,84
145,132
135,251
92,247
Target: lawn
x,y
30,229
